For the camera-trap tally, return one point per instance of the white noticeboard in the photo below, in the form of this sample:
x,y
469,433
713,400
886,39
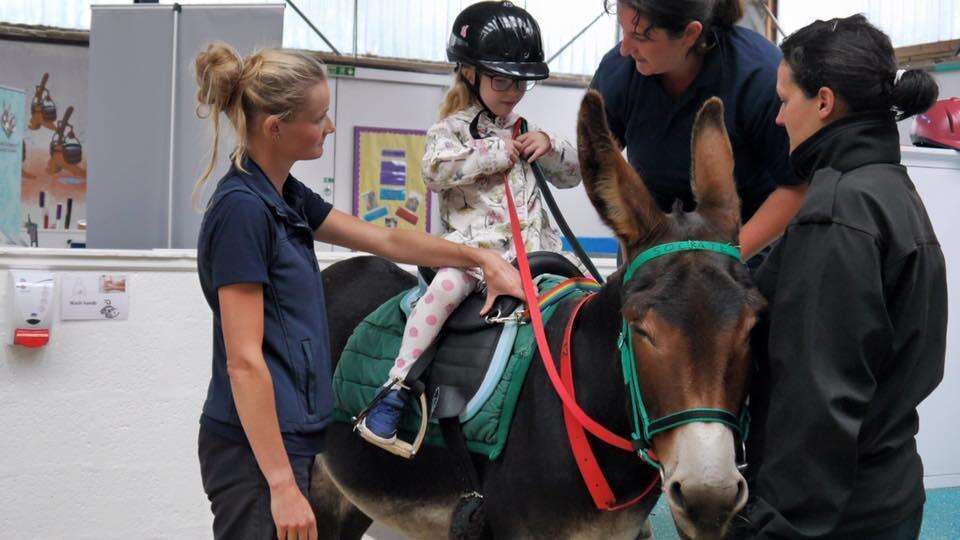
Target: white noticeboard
x,y
146,168
94,296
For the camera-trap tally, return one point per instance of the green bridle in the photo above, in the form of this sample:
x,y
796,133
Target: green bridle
x,y
643,427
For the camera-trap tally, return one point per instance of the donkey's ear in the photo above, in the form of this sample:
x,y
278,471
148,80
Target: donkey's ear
x,y
712,174
617,192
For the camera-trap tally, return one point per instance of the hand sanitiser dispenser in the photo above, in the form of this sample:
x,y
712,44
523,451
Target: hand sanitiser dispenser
x,y
31,301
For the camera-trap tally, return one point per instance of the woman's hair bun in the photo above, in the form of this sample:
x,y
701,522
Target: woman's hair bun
x,y
218,69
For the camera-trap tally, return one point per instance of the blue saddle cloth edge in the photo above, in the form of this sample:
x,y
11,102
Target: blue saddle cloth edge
x,y
501,355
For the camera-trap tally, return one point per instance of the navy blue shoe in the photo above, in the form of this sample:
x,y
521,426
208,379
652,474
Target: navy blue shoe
x,y
380,423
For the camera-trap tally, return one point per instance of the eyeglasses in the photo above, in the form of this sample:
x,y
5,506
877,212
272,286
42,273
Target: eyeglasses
x,y
502,84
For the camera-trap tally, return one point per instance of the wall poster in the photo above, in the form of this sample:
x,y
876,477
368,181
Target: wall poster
x,y
54,176
388,187
11,160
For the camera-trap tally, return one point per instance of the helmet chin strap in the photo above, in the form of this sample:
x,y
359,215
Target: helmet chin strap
x,y
474,132
474,88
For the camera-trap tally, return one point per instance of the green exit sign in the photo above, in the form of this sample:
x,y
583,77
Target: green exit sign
x,y
342,71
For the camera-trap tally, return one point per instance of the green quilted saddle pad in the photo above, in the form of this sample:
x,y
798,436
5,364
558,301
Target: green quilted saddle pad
x,y
372,348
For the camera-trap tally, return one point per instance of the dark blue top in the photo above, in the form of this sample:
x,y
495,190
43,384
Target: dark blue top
x,y
250,234
742,70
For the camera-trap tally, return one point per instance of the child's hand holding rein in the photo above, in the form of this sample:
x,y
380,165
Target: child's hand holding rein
x,y
513,150
533,145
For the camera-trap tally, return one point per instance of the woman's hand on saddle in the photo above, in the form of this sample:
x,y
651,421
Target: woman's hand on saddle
x,y
292,513
501,278
533,144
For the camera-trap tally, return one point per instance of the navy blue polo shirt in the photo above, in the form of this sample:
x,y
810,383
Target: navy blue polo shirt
x,y
252,234
655,129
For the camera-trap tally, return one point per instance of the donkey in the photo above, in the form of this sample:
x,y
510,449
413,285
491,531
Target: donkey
x,y
689,316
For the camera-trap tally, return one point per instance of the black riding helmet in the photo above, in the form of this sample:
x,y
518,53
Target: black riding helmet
x,y
500,38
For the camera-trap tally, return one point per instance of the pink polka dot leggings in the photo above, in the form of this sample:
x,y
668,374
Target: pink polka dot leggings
x,y
447,290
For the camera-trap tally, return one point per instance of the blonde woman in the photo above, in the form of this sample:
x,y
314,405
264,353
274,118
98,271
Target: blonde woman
x,y
270,395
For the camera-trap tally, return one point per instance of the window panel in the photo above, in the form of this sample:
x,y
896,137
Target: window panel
x,y
907,23
412,29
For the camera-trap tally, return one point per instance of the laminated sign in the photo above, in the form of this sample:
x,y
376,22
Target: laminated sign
x,y
94,296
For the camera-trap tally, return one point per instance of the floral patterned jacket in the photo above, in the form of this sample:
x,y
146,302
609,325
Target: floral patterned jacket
x,y
467,175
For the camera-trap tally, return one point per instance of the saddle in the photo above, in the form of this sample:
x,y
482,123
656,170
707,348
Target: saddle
x,y
473,373
472,349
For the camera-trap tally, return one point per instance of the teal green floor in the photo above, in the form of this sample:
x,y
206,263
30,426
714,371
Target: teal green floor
x,y
941,517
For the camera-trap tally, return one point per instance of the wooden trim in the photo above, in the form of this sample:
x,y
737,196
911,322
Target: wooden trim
x,y
771,29
44,34
425,66
379,62
81,38
927,54
916,56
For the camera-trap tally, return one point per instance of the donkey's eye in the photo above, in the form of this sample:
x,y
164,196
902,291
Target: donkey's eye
x,y
642,333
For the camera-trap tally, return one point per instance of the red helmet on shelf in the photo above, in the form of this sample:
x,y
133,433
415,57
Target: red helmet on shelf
x,y
939,127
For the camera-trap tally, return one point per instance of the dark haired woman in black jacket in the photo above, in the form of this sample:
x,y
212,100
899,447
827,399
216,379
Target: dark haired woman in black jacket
x,y
856,331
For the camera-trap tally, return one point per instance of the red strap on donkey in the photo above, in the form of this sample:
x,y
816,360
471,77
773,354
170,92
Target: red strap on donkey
x,y
571,409
593,476
536,318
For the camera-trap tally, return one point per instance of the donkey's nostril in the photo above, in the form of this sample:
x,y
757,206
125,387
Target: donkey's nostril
x,y
675,496
709,506
742,493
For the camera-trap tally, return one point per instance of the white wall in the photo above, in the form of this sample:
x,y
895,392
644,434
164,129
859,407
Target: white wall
x,y
936,174
99,427
949,82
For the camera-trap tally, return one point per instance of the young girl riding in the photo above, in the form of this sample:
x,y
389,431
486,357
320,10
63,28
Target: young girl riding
x,y
470,153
